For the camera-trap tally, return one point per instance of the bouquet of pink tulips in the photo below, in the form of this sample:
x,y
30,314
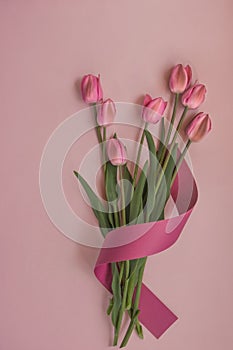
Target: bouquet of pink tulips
x,y
141,202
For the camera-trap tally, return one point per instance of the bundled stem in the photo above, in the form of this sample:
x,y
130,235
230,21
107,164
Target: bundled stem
x,y
135,311
123,303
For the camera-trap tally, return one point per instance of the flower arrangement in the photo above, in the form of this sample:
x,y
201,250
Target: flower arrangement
x,y
141,200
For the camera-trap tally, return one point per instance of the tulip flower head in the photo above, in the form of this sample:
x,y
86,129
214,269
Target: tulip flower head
x,y
199,126
180,78
194,96
91,89
153,109
106,112
116,152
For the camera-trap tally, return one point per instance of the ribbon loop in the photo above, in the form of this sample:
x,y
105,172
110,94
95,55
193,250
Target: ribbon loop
x,y
138,241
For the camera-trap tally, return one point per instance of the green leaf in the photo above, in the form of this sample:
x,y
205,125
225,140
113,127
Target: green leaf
x,y
141,219
171,165
163,193
128,189
135,205
151,174
116,290
159,203
162,139
111,191
111,182
97,206
151,144
127,174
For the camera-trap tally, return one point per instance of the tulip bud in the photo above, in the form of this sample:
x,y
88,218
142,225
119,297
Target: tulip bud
x,y
194,96
116,152
198,127
106,112
91,89
180,78
189,74
153,109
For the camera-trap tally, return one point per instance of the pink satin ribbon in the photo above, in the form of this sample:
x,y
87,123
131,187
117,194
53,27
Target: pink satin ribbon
x,y
137,241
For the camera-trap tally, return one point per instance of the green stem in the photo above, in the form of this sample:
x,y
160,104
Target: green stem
x,y
124,265
104,133
116,217
164,167
116,214
172,119
123,217
162,172
130,330
136,304
166,143
179,125
180,160
139,155
121,271
123,304
110,306
97,128
104,147
139,286
132,285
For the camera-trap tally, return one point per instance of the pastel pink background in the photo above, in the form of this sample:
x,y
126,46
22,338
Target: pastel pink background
x,y
49,297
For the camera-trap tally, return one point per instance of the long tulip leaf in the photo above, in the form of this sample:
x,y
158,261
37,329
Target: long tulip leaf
x,y
135,204
97,206
162,138
171,165
111,182
163,192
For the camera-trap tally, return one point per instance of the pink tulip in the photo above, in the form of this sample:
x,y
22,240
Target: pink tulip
x,y
153,109
106,112
194,96
198,127
189,74
116,152
91,89
180,78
